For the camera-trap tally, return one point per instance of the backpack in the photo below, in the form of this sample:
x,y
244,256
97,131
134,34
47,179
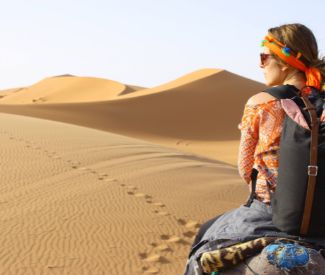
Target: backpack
x,y
299,199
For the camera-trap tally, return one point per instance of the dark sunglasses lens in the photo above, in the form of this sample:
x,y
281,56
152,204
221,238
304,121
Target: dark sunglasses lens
x,y
263,57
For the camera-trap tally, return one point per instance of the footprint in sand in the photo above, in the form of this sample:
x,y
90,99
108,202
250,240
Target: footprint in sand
x,y
149,199
181,221
158,252
139,195
173,239
189,234
160,204
188,224
182,142
74,164
150,270
143,255
161,213
40,99
90,170
161,247
153,258
191,226
102,176
164,237
55,266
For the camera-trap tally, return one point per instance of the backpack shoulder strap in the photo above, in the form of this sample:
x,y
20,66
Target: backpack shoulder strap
x,y
312,167
283,91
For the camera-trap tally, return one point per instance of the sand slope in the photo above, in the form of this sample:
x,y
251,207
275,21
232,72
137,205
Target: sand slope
x,y
81,201
198,112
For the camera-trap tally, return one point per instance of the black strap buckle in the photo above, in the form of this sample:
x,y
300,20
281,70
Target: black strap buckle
x,y
252,195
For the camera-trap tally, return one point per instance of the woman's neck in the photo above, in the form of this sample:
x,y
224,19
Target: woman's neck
x,y
296,79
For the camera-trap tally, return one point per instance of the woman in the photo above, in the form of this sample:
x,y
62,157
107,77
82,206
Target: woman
x,y
290,57
263,117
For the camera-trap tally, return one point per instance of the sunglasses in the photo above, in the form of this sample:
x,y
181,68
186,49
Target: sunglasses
x,y
264,57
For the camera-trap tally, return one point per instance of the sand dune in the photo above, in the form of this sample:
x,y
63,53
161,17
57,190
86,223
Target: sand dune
x,y
126,200
197,113
181,81
80,201
7,92
67,88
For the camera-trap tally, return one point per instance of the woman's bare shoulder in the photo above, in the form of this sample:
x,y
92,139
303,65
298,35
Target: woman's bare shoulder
x,y
260,98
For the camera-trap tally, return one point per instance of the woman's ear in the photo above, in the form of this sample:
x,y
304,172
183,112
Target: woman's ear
x,y
285,68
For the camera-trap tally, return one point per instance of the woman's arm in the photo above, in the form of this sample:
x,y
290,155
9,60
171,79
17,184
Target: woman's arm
x,y
249,127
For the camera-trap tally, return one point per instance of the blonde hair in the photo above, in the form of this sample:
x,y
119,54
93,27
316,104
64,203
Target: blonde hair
x,y
301,39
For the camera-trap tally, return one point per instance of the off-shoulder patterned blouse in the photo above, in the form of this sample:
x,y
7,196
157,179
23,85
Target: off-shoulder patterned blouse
x,y
261,128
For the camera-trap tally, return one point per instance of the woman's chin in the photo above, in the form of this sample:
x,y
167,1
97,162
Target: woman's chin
x,y
271,83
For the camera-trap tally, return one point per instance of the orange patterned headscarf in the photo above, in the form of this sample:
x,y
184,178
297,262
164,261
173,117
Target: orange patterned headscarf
x,y
313,75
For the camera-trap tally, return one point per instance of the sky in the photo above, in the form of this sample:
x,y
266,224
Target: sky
x,y
141,42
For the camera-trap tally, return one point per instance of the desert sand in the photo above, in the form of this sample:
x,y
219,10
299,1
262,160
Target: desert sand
x,y
100,177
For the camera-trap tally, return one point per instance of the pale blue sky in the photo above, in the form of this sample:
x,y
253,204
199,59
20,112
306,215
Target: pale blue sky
x,y
141,42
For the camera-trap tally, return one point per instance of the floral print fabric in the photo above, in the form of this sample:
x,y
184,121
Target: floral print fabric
x,y
261,128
